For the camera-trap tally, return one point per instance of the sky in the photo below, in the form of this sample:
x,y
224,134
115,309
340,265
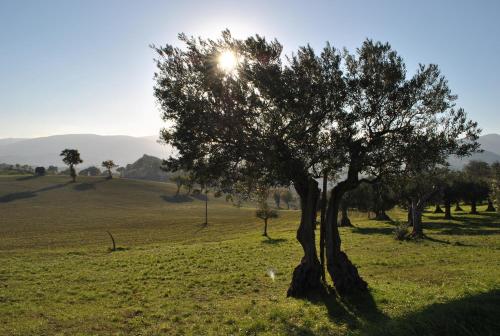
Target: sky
x,y
86,67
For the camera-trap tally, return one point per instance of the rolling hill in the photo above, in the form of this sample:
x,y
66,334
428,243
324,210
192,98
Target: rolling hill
x,y
171,275
93,149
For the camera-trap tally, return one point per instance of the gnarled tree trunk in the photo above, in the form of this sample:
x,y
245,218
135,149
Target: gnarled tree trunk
x,y
410,214
458,207
438,209
447,209
473,208
345,221
344,274
307,275
381,215
417,209
490,208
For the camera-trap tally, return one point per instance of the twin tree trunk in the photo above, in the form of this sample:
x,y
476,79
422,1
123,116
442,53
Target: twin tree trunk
x,y
307,275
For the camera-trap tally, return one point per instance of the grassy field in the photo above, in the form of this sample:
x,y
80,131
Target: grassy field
x,y
174,276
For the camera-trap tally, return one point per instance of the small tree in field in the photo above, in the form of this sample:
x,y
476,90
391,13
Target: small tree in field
x,y
277,197
52,170
287,197
264,212
71,157
40,171
179,181
109,164
121,171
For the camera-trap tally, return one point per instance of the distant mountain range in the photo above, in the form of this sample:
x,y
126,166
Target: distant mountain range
x,y
127,149
93,149
490,144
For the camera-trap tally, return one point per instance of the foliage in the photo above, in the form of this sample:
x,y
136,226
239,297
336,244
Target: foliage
x,y
146,168
52,170
109,164
71,157
401,232
40,171
284,122
90,171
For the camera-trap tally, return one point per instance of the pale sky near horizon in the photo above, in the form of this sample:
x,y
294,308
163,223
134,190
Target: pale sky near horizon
x,y
85,66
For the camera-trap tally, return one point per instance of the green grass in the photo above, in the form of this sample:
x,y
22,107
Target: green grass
x,y
176,277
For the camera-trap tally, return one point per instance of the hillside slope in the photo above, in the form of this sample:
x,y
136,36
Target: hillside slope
x,y
49,212
174,276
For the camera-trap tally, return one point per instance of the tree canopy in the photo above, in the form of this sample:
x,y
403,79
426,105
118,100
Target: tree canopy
x,y
286,120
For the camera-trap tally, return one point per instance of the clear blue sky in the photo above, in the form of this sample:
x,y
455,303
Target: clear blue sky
x,y
85,66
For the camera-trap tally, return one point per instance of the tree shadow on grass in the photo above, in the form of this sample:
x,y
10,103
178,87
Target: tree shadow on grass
x,y
372,230
16,196
25,178
29,194
272,241
468,316
176,198
355,310
85,186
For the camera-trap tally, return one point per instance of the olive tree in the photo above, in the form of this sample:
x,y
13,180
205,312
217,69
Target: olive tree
x,y
71,157
287,122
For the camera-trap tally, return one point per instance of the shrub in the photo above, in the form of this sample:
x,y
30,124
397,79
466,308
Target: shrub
x,y
401,232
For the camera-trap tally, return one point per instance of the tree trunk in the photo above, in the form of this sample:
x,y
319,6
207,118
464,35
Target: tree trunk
x,y
112,240
417,209
410,214
343,273
473,208
265,227
322,229
206,207
345,221
447,209
458,207
381,216
307,275
72,172
490,208
438,209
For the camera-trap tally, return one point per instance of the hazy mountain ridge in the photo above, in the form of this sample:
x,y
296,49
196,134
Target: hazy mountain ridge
x,y
93,149
125,149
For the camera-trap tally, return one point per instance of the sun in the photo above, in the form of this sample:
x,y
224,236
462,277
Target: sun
x,y
228,60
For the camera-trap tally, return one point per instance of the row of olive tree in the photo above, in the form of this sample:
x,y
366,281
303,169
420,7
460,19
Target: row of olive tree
x,y
313,115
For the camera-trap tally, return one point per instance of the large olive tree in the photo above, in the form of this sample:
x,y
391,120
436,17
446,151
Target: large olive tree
x,y
289,122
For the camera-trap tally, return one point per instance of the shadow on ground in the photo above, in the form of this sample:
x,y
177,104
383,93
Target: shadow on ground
x,y
272,241
176,198
356,311
468,316
84,186
29,194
